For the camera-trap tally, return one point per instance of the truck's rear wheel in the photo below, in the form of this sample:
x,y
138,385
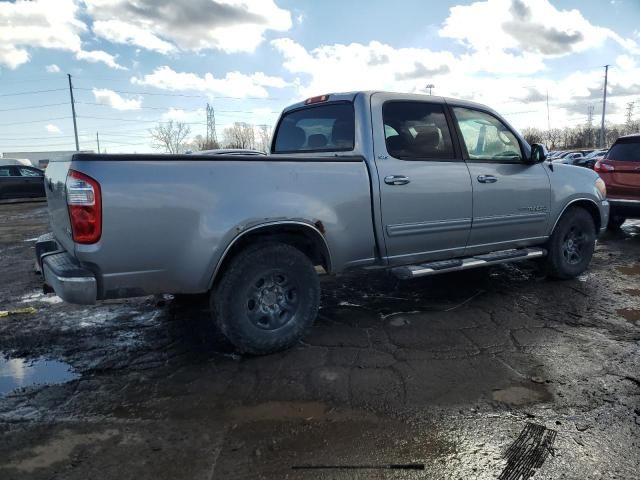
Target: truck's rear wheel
x,y
267,298
571,244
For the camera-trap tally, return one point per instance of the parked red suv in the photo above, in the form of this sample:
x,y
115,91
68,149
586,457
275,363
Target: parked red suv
x,y
620,170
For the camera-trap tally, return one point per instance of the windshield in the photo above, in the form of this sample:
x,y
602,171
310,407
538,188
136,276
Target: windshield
x,y
322,128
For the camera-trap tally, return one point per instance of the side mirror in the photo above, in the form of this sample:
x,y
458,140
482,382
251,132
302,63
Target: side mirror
x,y
538,153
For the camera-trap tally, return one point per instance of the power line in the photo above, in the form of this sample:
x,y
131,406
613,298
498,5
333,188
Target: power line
x,y
33,106
32,92
129,92
34,121
197,110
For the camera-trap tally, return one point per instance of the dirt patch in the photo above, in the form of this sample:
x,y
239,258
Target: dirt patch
x,y
630,270
630,314
518,395
58,449
633,291
278,411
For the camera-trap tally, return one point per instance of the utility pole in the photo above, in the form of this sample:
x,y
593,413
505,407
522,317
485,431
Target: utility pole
x,y
73,111
98,141
604,107
212,138
589,129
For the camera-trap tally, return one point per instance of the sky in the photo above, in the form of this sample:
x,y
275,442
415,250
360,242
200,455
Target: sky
x,y
139,62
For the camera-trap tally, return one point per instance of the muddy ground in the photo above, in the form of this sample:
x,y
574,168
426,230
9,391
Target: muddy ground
x,y
496,373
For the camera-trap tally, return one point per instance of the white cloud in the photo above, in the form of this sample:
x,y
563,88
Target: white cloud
x,y
234,84
529,26
108,97
118,31
53,68
167,25
356,66
98,56
188,116
37,24
52,129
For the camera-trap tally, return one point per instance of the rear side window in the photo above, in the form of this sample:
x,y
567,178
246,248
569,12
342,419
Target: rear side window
x,y
416,131
625,150
28,172
323,128
6,172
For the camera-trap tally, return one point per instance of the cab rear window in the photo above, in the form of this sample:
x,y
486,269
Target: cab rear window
x,y
625,150
322,128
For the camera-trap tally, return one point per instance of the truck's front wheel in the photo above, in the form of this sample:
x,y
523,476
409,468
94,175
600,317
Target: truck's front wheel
x,y
571,244
267,298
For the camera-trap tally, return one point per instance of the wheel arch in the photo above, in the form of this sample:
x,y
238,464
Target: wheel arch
x,y
306,237
586,203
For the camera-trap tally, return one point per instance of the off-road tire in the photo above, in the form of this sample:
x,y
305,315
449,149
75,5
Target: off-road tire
x,y
564,259
251,284
615,222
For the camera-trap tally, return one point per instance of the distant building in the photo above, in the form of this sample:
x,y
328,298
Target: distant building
x,y
41,159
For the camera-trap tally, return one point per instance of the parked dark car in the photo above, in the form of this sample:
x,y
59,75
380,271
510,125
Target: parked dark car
x,y
17,181
620,170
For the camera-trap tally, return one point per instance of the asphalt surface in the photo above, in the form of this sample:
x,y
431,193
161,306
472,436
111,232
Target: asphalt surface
x,y
495,373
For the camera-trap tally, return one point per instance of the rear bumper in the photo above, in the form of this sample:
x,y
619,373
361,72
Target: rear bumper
x,y
625,207
64,274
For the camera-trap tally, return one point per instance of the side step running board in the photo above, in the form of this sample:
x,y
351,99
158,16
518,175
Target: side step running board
x,y
493,258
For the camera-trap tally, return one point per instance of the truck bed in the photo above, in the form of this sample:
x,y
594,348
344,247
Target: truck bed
x,y
167,219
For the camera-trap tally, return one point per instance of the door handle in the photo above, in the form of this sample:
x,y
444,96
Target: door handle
x,y
396,180
487,179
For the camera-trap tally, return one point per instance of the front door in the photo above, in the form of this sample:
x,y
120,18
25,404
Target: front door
x,y
511,197
425,187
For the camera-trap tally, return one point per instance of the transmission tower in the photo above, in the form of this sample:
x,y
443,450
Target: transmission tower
x,y
212,137
590,116
630,106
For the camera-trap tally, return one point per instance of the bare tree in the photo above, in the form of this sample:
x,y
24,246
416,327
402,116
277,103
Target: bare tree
x,y
553,137
170,136
199,143
264,135
240,135
533,135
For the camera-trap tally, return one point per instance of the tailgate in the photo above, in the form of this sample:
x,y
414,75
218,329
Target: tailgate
x,y
55,178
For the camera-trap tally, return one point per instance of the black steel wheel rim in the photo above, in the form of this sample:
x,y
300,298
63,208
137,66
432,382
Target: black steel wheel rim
x,y
272,300
573,245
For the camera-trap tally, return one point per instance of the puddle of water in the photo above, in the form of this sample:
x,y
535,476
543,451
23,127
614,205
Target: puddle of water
x,y
17,372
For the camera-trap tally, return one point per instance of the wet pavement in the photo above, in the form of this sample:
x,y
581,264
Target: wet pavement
x,y
494,373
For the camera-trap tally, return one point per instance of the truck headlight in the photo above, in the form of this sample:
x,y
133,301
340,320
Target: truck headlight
x,y
602,188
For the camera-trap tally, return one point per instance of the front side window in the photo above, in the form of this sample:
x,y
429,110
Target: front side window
x,y
416,131
486,137
323,128
625,150
27,172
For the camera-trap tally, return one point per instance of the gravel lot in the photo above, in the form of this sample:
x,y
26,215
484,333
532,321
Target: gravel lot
x,y
494,373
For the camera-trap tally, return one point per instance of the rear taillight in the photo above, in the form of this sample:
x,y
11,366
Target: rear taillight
x,y
85,207
600,166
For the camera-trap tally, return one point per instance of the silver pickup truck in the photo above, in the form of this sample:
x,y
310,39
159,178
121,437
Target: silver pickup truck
x,y
416,184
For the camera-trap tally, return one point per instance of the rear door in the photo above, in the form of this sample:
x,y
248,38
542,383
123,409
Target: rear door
x,y
511,198
624,180
32,181
9,181
425,187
